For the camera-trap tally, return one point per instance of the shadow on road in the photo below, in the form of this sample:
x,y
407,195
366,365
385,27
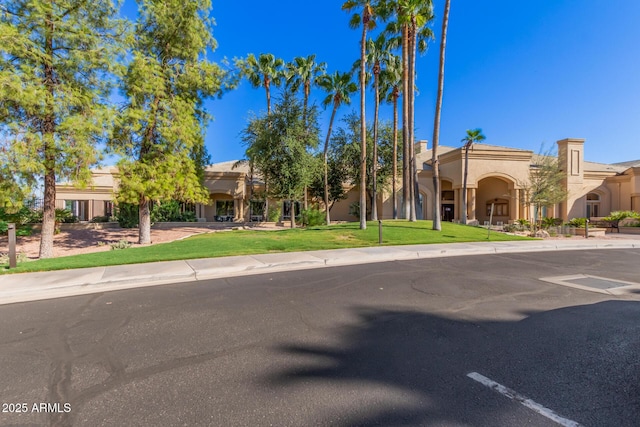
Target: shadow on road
x,y
582,361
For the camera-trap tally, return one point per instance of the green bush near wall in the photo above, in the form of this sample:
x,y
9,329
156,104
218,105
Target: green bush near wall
x,y
313,217
274,213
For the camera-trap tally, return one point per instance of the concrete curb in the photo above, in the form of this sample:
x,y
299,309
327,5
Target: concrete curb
x,y
55,284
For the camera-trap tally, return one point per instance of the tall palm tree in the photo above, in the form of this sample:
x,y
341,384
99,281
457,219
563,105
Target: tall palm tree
x,y
410,31
474,135
304,72
397,32
391,83
378,56
339,88
437,224
420,14
263,72
366,19
406,143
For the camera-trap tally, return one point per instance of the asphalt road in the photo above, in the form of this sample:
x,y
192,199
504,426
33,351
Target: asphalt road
x,y
377,344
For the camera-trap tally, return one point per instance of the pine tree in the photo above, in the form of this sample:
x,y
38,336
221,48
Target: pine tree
x,y
56,62
160,134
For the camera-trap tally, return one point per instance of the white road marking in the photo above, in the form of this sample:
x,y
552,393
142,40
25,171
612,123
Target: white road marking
x,y
514,395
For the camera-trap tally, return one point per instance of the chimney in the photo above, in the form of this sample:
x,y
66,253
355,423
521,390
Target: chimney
x,y
420,146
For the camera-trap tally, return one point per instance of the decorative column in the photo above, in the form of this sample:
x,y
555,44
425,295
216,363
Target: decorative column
x,y
522,206
471,203
238,209
514,202
456,204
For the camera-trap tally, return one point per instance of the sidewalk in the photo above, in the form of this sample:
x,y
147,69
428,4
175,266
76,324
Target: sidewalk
x,y
55,284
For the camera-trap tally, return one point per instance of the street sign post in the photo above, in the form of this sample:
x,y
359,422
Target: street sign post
x,y
12,246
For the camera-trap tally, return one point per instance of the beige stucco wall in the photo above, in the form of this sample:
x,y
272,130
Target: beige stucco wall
x,y
510,164
230,183
340,210
494,173
94,196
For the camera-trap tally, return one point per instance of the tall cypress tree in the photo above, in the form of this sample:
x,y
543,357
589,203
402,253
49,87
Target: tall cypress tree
x,y
56,62
161,132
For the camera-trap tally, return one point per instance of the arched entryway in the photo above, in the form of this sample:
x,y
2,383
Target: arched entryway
x,y
500,194
593,205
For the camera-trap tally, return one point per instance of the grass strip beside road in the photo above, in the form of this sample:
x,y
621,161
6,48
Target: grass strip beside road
x,y
251,242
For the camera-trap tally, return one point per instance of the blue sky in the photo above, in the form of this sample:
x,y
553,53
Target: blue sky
x,y
527,73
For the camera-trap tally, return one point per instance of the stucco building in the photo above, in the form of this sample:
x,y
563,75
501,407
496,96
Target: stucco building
x,y
496,175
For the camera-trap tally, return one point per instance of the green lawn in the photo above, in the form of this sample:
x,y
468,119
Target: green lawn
x,y
243,242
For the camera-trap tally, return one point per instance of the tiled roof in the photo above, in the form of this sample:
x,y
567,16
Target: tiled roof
x,y
230,166
629,164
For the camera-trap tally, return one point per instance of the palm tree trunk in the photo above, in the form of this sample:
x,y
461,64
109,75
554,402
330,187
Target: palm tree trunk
x,y
394,185
363,130
406,156
437,225
266,88
374,163
326,162
307,91
412,155
464,184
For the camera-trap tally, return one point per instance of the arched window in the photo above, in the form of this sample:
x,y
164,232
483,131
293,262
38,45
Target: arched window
x,y
593,205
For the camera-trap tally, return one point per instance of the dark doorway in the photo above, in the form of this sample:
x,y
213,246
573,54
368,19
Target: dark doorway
x,y
447,212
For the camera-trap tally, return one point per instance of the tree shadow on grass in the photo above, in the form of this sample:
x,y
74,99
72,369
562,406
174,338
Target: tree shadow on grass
x,y
580,361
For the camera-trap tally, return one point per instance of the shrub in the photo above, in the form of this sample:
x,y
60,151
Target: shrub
x,y
520,225
274,213
550,222
4,227
35,217
24,230
122,244
20,258
103,218
577,222
19,217
312,217
65,216
171,211
511,228
620,215
127,215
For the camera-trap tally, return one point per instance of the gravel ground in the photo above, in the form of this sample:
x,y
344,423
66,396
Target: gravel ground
x,y
72,242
